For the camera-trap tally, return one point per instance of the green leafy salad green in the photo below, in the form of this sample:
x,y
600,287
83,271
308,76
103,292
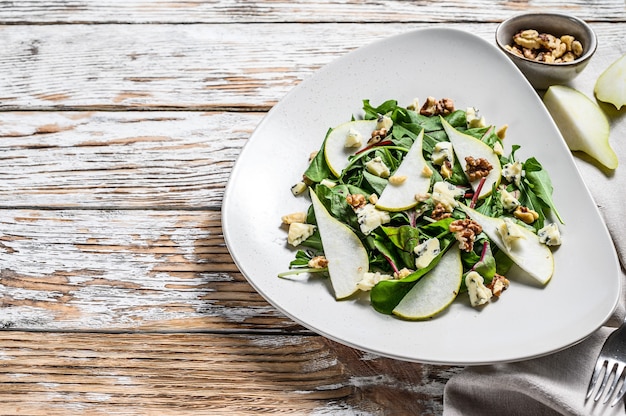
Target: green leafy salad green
x,y
419,205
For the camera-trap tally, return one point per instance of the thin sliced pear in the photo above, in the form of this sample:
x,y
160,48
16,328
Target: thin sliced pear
x,y
581,122
527,252
465,145
611,84
402,196
347,258
435,291
335,149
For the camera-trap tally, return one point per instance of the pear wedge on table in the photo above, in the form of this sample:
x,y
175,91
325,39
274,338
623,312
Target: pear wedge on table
x,y
465,145
532,256
610,86
402,196
434,291
347,258
335,150
582,123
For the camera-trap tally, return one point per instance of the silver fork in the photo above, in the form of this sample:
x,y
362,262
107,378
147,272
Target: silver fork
x,y
611,363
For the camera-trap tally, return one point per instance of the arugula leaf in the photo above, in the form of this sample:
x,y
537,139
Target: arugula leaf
x,y
301,260
492,205
439,228
401,131
372,113
511,159
375,182
457,118
314,241
539,181
318,169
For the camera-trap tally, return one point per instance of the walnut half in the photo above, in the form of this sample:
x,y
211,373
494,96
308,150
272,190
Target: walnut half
x,y
465,231
477,168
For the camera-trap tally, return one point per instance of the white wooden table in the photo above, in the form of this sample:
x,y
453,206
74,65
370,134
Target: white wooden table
x,y
119,124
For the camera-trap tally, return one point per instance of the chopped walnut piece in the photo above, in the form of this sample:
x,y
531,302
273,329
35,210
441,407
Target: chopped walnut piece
x,y
525,214
440,212
432,107
421,197
402,273
568,57
529,53
514,49
294,217
465,232
528,39
397,179
498,285
318,262
445,106
356,201
568,40
501,132
446,169
377,136
477,168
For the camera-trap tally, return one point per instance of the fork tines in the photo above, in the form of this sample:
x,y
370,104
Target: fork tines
x,y
613,371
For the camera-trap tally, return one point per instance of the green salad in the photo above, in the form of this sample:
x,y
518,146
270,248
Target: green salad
x,y
418,206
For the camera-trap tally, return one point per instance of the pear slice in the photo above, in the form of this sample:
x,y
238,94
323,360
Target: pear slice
x,y
347,258
335,150
415,173
465,145
527,251
611,84
434,291
581,122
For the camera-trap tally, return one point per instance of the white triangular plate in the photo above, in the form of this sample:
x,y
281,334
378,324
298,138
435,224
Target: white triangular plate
x,y
528,321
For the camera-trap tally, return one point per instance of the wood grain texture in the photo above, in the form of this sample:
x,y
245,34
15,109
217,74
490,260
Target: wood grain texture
x,y
236,11
120,160
235,67
124,269
66,374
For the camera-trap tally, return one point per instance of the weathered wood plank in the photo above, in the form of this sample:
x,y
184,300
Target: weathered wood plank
x,y
231,11
66,374
193,67
128,269
120,160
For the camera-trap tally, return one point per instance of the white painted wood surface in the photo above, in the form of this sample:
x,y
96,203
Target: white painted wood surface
x,y
231,67
306,11
119,124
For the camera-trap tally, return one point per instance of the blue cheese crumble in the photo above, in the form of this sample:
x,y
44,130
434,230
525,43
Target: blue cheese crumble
x,y
426,252
370,218
550,235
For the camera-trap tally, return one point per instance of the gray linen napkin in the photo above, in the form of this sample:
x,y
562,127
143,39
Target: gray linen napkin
x,y
557,384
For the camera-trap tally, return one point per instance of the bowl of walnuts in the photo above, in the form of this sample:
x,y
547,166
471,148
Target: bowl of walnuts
x,y
549,48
